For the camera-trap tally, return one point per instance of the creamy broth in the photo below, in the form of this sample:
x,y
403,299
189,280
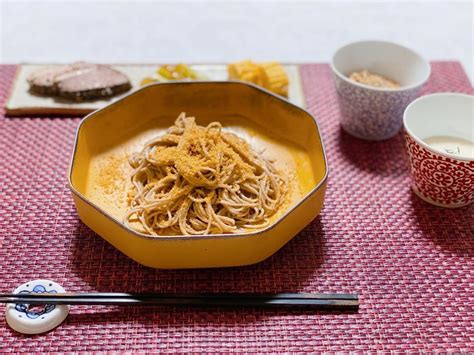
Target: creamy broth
x,y
108,182
451,145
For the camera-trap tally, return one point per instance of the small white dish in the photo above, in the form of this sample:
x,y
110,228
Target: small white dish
x,y
375,113
439,131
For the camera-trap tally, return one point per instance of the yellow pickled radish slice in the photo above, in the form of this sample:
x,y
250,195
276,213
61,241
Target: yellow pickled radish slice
x,y
148,81
176,72
166,71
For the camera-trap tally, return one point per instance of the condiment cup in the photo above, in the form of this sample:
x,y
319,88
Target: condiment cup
x,y
439,132
375,113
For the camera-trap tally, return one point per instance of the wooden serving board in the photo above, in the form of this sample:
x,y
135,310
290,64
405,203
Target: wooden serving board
x,y
21,102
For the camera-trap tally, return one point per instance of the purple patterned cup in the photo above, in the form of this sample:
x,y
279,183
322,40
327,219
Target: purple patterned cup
x,y
376,113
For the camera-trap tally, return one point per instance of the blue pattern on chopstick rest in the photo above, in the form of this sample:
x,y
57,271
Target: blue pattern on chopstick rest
x,y
24,308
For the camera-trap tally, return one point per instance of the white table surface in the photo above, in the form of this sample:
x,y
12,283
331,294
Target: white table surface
x,y
210,31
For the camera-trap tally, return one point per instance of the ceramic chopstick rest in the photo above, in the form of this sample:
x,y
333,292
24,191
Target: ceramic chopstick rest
x,y
41,319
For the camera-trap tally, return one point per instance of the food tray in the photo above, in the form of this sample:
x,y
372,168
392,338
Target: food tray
x,y
21,102
410,262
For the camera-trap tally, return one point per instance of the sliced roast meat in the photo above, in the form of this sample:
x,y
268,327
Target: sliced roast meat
x,y
79,81
91,83
44,80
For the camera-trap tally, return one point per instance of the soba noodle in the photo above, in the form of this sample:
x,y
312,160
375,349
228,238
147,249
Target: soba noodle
x,y
198,180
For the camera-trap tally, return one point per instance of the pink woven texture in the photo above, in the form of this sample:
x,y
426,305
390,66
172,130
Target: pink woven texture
x,y
410,262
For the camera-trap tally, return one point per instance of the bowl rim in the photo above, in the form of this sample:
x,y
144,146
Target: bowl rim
x,y
179,237
373,88
420,141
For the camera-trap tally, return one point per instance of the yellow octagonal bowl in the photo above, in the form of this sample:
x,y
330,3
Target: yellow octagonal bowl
x,y
98,171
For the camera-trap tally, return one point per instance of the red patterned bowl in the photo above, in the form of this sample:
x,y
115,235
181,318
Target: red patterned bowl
x,y
439,132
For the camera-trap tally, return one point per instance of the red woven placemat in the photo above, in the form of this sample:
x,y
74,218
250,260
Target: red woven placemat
x,y
410,262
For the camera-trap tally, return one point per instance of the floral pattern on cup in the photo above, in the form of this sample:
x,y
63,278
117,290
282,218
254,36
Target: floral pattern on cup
x,y
441,180
372,114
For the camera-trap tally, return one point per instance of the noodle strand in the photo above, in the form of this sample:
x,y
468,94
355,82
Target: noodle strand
x,y
198,180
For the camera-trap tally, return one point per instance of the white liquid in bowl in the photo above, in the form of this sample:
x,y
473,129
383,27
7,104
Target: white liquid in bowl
x,y
451,145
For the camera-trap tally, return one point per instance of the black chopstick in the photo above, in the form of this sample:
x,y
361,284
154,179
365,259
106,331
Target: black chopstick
x,y
347,301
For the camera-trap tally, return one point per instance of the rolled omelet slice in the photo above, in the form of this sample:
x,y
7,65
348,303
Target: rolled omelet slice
x,y
246,70
275,78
